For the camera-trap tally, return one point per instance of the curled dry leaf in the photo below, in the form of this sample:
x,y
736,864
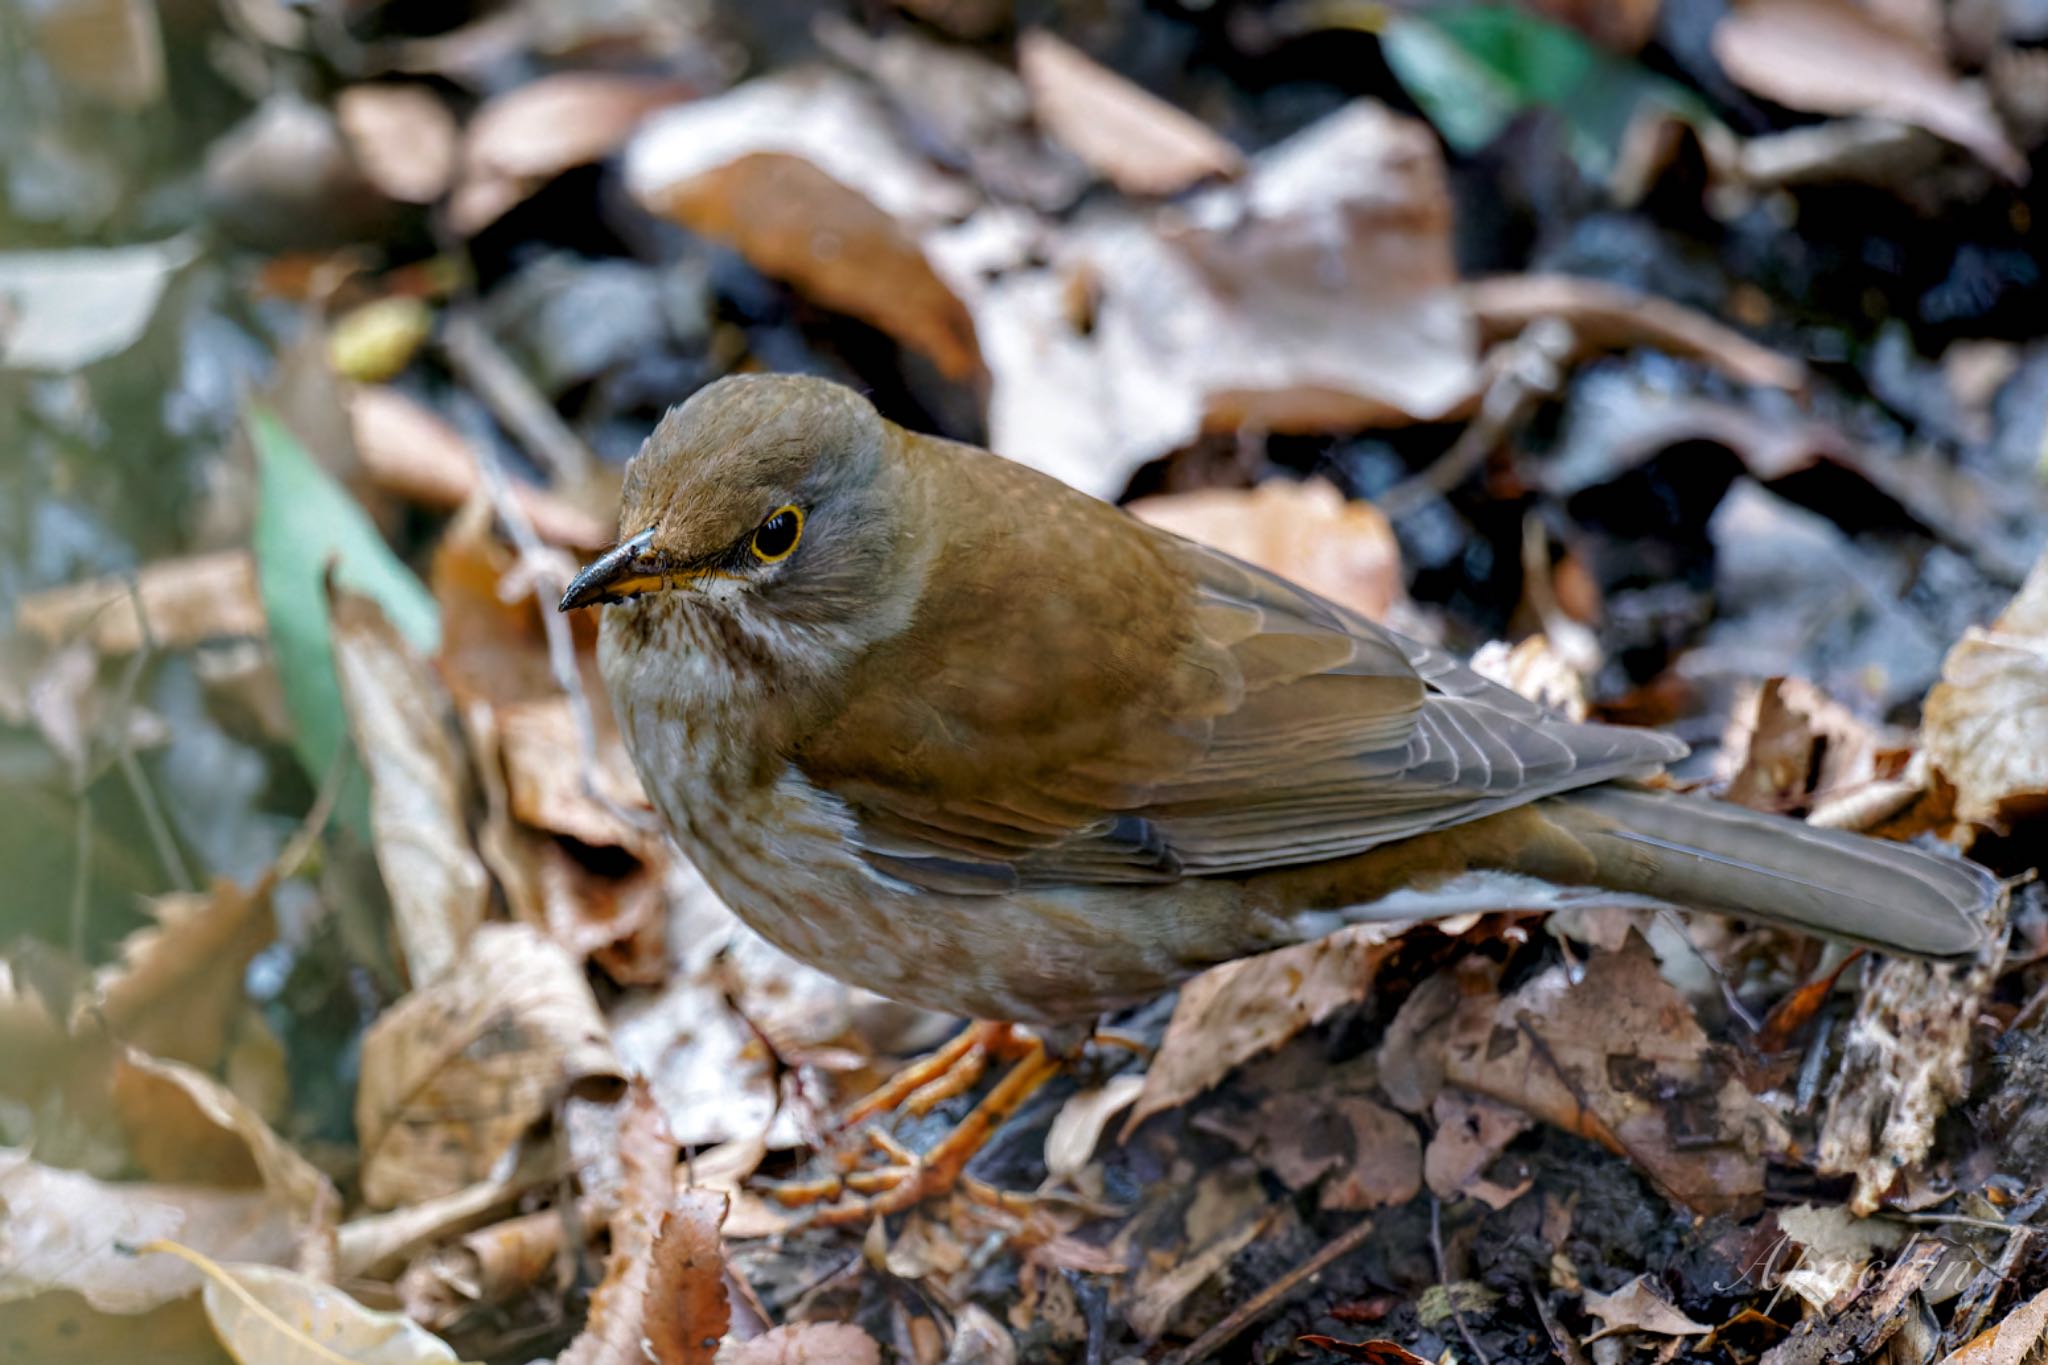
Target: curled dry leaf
x,y
1080,1123
481,1269
185,602
457,1071
535,131
1236,1011
1837,57
1799,748
1612,317
398,715
2012,1342
805,1343
1986,723
1639,1306
176,986
184,1127
68,1232
1308,532
1139,142
805,175
402,136
267,1316
1619,1058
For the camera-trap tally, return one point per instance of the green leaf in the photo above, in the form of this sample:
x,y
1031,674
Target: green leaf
x,y
1472,70
305,523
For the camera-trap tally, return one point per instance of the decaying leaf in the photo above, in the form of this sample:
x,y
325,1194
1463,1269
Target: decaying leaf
x,y
1986,723
1639,1306
1471,1133
68,1232
1836,1250
267,1316
399,717
184,602
1837,57
1619,1058
805,1343
1139,142
177,984
184,1127
687,1312
1360,1153
537,130
1229,1211
1236,1011
1799,748
2011,1342
1307,532
457,1071
804,174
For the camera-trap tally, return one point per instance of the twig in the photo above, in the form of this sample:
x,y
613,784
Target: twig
x,y
538,571
1560,1340
1443,1279
482,364
1256,1307
167,854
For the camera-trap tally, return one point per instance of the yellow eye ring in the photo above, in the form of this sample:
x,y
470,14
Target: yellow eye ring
x,y
776,538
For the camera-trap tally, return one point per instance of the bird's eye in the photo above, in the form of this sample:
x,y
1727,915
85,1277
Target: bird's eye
x,y
779,534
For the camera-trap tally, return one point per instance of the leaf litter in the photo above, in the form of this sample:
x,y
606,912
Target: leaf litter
x,y
1687,361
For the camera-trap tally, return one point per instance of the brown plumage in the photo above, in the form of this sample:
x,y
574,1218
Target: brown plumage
x,y
977,741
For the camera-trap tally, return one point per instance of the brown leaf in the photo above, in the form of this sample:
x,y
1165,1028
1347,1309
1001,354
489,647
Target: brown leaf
x,y
402,136
1835,57
805,1343
1619,1058
805,176
1139,142
1307,532
687,1312
185,601
455,1072
1799,748
481,1269
184,1127
1234,1012
2011,1342
177,985
1986,723
540,128
1364,1155
1471,1133
398,716
1379,1352
1613,317
1639,1306
67,1231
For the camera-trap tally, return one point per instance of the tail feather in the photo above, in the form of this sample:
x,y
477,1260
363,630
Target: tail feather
x,y
1716,856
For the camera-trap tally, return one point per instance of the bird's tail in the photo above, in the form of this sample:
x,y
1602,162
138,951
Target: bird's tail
x,y
1716,856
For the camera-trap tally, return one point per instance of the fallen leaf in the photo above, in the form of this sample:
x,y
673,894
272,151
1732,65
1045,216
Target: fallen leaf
x,y
490,1266
2011,1342
1234,1012
1379,1352
1836,1250
1156,1298
66,310
1362,1154
1985,724
1835,57
1139,142
399,718
175,986
1306,532
540,128
805,1343
66,1231
687,1312
402,136
268,1316
184,1127
185,602
1639,1306
1799,748
1536,669
1079,1125
64,1330
1611,317
409,451
1618,1057
804,174
1471,1133
457,1071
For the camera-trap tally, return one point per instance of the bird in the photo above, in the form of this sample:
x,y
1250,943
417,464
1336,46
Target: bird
x,y
949,729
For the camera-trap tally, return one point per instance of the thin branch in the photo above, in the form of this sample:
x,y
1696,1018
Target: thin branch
x,y
482,364
1443,1279
1259,1304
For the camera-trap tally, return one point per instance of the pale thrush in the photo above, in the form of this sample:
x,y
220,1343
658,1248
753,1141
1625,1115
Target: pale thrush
x,y
950,730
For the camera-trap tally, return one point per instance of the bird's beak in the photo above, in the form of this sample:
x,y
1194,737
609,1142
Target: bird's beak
x,y
626,570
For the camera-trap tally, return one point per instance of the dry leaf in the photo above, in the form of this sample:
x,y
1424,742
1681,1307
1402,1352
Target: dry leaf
x,y
1836,1249
536,130
1236,1011
66,1231
2012,1342
1471,1133
185,602
398,714
377,1245
409,451
805,175
1639,1306
184,1127
1834,57
1799,748
805,1343
1986,723
1619,1058
402,136
1228,1213
1537,669
1139,142
457,1071
1307,532
484,1268
177,985
687,1312
268,1316
1079,1125
1612,317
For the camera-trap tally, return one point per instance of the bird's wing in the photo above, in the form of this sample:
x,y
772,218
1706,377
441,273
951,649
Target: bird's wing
x,y
1147,709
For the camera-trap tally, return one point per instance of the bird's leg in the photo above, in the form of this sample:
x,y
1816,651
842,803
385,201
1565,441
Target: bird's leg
x,y
928,1080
